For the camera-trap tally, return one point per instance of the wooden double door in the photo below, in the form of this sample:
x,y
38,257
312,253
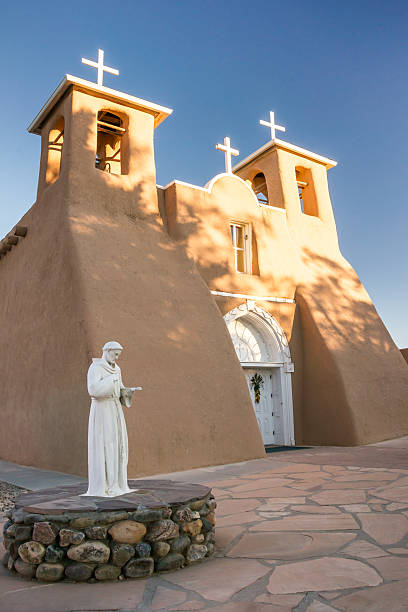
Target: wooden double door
x,y
265,388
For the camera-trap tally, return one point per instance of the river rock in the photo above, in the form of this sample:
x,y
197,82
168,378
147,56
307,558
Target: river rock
x,y
79,571
211,518
170,562
7,542
49,572
82,522
180,544
25,569
96,532
18,516
199,539
160,549
209,537
23,533
197,505
148,515
54,554
186,515
45,532
70,536
121,553
212,504
10,563
204,511
193,528
107,572
210,549
207,526
143,550
90,551
60,519
5,558
127,532
9,529
13,550
162,530
32,552
137,568
195,553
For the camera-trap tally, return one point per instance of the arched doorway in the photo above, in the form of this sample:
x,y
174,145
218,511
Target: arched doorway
x,y
262,348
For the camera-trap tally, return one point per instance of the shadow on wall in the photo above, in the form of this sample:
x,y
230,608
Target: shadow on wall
x,y
355,380
138,287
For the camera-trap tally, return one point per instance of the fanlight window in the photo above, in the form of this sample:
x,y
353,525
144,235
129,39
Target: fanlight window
x,y
109,139
55,145
260,189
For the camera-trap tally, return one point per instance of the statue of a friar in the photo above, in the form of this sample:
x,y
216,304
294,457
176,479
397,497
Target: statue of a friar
x,y
107,436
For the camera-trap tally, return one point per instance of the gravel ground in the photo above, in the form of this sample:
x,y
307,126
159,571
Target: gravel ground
x,y
8,493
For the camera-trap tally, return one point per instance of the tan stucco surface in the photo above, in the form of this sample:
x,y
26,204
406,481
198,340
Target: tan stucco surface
x,y
350,384
113,257
97,265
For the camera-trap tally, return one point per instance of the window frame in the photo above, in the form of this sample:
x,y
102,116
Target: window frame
x,y
247,241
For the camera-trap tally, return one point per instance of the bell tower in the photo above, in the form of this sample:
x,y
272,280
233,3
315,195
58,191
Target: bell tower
x,y
96,142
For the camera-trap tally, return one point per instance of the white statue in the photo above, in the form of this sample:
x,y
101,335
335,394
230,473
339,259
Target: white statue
x,y
107,436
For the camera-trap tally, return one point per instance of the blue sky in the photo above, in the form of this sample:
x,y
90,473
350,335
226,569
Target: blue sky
x,y
335,73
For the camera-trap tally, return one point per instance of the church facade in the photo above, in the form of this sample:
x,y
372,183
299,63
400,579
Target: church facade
x,y
239,316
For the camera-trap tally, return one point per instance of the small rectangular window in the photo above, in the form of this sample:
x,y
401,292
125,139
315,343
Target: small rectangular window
x,y
241,244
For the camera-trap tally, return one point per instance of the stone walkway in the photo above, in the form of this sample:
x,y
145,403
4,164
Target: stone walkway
x,y
315,530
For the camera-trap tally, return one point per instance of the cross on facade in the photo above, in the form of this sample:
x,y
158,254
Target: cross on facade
x,y
271,124
229,151
99,65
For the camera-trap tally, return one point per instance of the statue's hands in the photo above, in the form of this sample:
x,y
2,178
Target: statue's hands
x,y
126,394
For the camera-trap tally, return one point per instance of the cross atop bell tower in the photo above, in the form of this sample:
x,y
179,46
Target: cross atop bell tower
x,y
100,66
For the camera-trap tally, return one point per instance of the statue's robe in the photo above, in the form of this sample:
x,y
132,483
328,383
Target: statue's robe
x,y
107,436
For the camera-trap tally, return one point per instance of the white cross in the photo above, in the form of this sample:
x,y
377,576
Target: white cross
x,y
272,125
228,150
99,65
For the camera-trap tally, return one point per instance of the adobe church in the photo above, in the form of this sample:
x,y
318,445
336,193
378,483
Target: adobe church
x,y
238,314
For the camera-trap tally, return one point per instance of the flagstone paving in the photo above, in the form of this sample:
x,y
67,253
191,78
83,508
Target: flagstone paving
x,y
317,530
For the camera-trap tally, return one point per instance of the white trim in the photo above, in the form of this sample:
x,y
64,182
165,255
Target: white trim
x,y
208,188
161,112
247,248
177,182
286,366
260,364
281,144
253,297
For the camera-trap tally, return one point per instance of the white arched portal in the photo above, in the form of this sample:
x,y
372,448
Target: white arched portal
x,y
262,348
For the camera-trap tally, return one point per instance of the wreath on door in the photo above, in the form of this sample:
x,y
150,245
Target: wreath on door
x,y
257,383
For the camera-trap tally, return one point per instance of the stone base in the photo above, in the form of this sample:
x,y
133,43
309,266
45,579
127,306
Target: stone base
x,y
57,534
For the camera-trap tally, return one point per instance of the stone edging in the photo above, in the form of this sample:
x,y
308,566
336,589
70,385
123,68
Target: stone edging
x,y
113,545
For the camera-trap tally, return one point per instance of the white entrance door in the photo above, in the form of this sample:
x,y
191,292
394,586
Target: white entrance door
x,y
265,389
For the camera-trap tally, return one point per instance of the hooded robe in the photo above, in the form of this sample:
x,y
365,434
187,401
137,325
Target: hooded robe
x,y
107,436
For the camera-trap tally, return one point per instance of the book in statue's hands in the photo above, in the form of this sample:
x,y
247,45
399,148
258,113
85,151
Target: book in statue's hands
x,y
126,395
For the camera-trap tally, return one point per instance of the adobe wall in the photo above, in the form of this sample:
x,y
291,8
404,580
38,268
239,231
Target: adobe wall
x,y
101,267
44,340
198,219
350,384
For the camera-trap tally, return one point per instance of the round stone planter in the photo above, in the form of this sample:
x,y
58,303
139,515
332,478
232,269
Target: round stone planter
x,y
55,534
